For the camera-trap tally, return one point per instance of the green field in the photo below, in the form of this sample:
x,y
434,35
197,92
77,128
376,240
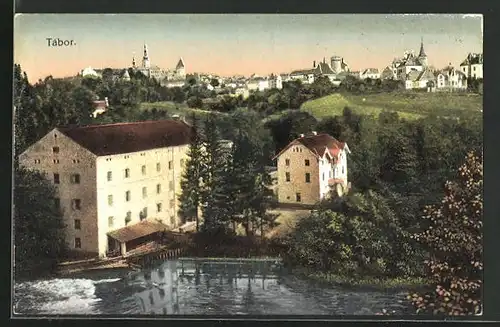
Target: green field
x,y
408,105
171,107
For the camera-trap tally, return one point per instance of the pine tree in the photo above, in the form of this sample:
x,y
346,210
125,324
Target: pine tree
x,y
217,207
454,240
191,183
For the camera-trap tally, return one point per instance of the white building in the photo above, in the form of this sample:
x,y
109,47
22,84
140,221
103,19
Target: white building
x,y
89,72
419,79
116,184
372,73
472,66
451,79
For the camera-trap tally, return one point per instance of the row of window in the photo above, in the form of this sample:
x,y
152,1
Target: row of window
x,y
143,170
306,162
308,175
74,178
144,193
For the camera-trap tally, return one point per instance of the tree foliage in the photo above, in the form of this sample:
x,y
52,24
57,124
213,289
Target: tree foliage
x,y
38,224
453,238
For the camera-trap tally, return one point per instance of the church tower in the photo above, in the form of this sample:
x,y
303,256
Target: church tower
x,y
422,57
133,61
145,59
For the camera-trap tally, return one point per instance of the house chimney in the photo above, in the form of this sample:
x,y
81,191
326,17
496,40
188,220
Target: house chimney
x,y
314,133
301,135
314,64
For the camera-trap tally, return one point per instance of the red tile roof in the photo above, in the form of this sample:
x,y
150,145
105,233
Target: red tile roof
x,y
318,144
112,139
138,230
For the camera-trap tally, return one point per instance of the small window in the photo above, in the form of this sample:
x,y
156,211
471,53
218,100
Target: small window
x,y
287,162
110,200
127,173
56,161
158,188
75,179
342,169
76,204
128,217
182,162
57,203
158,207
143,170
171,185
158,166
307,162
170,165
78,243
144,192
110,176
55,149
143,214
308,177
111,221
172,203
323,176
127,196
37,161
287,175
298,197
56,179
78,224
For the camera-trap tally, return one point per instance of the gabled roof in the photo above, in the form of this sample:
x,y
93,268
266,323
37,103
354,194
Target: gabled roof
x,y
323,68
473,59
317,144
112,139
135,231
180,64
302,72
371,71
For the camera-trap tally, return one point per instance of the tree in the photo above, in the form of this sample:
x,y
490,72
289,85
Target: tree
x,y
217,207
38,223
24,120
191,183
454,240
214,82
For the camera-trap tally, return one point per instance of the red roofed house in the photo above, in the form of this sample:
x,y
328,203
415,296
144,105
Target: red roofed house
x,y
310,167
116,184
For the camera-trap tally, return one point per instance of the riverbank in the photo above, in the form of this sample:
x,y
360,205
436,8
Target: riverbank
x,y
364,282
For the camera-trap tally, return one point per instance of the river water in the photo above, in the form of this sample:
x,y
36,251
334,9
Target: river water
x,y
193,286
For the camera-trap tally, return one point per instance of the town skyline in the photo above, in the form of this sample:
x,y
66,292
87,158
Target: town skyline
x,y
233,44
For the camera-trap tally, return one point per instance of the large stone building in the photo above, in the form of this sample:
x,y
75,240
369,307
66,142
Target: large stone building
x,y
336,70
176,75
117,179
401,67
310,167
472,66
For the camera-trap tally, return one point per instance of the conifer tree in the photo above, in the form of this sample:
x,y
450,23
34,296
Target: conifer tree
x,y
217,207
191,183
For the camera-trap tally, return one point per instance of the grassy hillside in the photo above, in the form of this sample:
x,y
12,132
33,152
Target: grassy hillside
x,y
408,105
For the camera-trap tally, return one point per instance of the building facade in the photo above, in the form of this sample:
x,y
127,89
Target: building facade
x,y
111,176
310,167
451,79
472,66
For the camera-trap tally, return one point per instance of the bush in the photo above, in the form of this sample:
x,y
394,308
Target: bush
x,y
454,240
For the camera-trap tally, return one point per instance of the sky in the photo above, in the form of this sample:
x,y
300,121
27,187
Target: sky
x,y
243,44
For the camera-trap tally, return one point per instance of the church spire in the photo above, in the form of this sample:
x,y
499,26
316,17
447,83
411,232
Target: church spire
x,y
422,52
145,58
133,61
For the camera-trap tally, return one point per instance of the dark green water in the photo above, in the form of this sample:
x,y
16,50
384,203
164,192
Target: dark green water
x,y
205,287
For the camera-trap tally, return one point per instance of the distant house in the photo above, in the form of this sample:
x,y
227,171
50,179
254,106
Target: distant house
x,y
310,167
372,73
89,72
451,79
472,66
100,107
389,72
174,83
242,91
418,79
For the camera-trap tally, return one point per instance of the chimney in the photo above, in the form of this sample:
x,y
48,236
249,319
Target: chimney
x,y
314,64
314,133
301,135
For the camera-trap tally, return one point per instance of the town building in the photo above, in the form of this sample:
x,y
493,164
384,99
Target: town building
x,y
419,79
310,167
89,72
409,62
472,66
451,79
372,73
101,106
115,184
